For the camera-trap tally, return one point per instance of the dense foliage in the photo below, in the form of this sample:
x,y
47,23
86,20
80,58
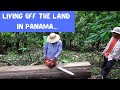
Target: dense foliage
x,y
91,28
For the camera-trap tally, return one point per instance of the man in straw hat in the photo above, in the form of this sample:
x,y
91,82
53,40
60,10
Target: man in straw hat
x,y
52,50
111,52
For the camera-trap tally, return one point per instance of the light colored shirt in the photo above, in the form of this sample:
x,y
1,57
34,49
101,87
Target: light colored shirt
x,y
53,50
115,53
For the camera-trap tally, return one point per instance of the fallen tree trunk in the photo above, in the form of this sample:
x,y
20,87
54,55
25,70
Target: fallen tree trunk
x,y
80,70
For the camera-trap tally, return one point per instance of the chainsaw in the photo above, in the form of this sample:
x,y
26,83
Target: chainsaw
x,y
60,68
64,70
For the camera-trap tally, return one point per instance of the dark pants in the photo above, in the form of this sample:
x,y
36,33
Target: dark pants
x,y
106,67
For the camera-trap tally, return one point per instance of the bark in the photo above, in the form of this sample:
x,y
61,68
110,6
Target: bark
x,y
81,70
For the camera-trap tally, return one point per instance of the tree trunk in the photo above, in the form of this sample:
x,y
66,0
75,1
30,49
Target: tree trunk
x,y
70,42
25,40
17,42
64,42
81,70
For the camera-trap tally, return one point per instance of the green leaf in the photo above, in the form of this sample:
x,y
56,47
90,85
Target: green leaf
x,y
66,61
44,40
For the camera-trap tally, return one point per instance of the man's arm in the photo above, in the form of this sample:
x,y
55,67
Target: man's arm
x,y
59,50
116,54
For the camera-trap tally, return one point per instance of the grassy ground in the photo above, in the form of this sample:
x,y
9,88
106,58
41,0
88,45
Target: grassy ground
x,y
93,58
67,57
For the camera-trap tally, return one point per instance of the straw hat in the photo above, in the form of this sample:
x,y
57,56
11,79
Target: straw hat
x,y
116,30
52,38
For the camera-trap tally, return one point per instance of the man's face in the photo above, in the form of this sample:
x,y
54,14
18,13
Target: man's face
x,y
115,35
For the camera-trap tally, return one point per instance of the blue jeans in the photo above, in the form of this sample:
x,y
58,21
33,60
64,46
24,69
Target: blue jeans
x,y
106,67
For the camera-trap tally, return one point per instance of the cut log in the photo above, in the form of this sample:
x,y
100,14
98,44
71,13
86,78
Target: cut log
x,y
81,70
